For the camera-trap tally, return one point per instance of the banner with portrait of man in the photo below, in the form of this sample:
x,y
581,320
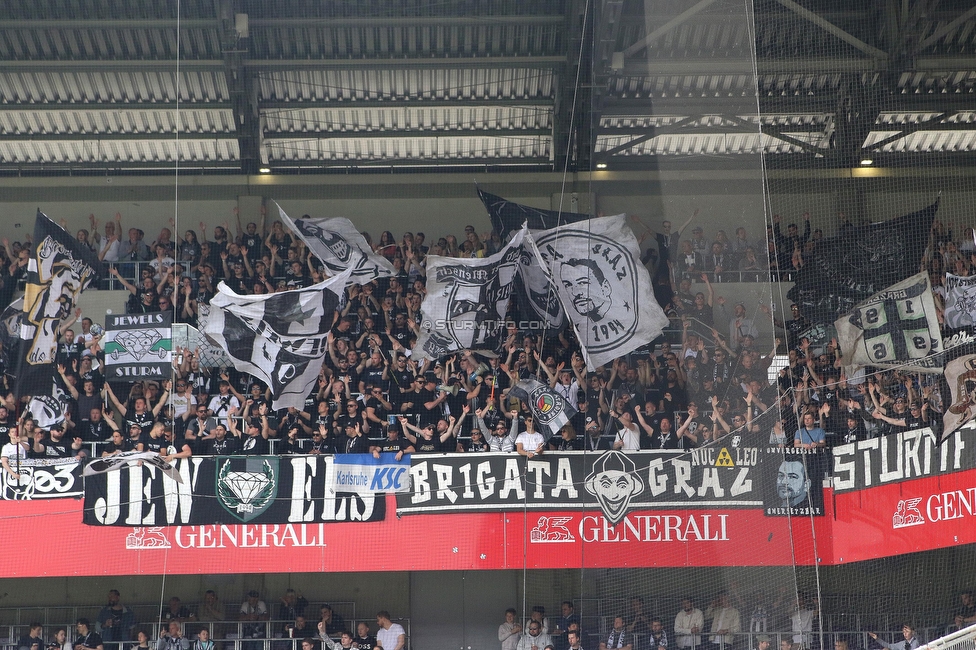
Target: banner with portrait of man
x,y
595,270
793,479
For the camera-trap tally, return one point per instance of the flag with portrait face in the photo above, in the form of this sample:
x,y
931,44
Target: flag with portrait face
x,y
466,301
595,270
280,338
59,269
339,246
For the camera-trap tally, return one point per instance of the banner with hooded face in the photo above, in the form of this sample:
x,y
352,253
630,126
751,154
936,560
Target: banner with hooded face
x,y
595,269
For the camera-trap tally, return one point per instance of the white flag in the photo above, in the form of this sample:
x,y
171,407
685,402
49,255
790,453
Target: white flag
x,y
606,292
280,338
466,301
960,305
339,246
895,327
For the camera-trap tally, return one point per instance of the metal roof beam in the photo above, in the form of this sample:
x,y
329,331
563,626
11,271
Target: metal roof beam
x,y
182,136
120,23
947,28
907,130
116,106
466,62
834,30
408,102
408,133
680,19
405,21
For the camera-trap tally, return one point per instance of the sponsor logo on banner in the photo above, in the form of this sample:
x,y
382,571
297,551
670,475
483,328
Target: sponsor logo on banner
x,y
551,529
907,514
142,538
246,487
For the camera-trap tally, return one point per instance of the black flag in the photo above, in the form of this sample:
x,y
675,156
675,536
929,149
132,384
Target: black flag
x,y
507,217
859,262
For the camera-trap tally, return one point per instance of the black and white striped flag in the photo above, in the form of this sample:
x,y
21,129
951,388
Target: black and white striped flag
x,y
281,338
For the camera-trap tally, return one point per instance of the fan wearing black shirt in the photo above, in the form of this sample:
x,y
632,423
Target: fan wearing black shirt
x,y
56,446
87,638
139,414
363,640
218,443
355,442
322,442
393,444
254,442
97,428
377,407
118,444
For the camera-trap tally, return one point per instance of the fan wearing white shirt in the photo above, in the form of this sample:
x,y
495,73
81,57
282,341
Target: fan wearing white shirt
x,y
628,435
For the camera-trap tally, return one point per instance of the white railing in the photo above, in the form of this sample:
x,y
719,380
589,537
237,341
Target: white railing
x,y
964,639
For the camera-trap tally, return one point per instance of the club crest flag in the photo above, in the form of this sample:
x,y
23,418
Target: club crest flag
x,y
339,246
551,410
59,269
466,301
281,338
960,374
960,303
896,327
595,270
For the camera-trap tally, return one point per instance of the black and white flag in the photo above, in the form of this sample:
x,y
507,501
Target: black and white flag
x,y
126,458
596,271
59,269
896,327
552,411
281,338
339,246
507,216
466,301
960,303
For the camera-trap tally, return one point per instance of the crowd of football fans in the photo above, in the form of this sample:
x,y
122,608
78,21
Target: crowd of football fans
x,y
705,378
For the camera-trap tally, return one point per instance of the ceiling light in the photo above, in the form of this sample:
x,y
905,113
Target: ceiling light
x,y
601,165
264,170
866,162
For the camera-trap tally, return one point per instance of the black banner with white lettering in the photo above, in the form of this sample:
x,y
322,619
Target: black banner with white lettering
x,y
713,477
900,457
42,478
227,490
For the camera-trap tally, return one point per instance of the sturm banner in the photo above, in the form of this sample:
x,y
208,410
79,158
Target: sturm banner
x,y
228,490
138,346
42,478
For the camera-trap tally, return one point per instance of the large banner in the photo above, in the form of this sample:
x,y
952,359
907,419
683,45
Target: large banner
x,y
281,338
42,478
229,490
507,216
860,261
466,302
595,270
894,328
777,481
138,346
59,269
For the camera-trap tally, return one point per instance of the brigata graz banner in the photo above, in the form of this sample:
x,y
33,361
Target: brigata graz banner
x,y
230,490
42,478
781,482
901,457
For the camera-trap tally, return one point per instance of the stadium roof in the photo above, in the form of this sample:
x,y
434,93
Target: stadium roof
x,y
240,85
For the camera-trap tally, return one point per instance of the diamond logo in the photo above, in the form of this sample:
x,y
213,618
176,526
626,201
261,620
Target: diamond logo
x,y
246,487
139,343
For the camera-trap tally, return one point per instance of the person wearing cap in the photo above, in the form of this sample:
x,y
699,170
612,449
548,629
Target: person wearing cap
x,y
393,444
763,642
498,436
698,241
56,446
594,441
430,400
